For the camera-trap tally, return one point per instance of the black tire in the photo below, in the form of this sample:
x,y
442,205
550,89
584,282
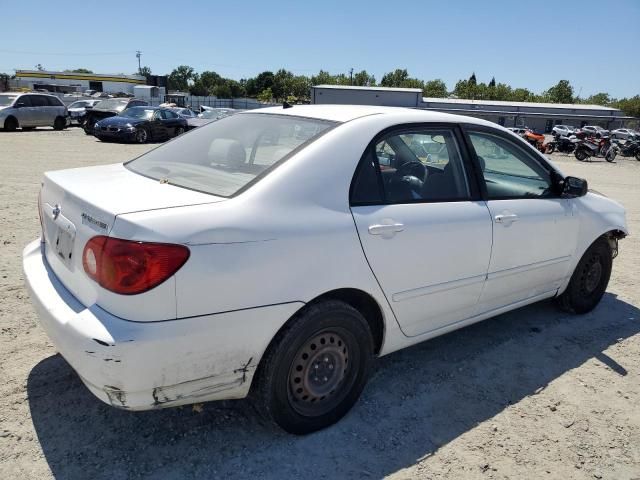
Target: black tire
x,y
550,148
589,280
10,124
581,155
141,135
316,367
610,156
88,125
179,131
638,155
59,123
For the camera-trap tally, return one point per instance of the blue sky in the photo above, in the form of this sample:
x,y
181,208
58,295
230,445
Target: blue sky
x,y
533,44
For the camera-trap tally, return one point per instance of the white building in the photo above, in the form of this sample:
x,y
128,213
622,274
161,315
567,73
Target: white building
x,y
69,82
539,116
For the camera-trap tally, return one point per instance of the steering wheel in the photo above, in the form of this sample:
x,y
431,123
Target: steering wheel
x,y
412,168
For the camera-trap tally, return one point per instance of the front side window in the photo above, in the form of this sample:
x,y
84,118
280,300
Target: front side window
x,y
509,170
223,157
419,165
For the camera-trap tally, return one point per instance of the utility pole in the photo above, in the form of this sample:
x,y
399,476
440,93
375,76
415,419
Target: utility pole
x,y
351,76
138,55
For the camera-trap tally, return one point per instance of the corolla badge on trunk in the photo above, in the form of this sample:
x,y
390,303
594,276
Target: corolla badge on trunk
x,y
94,222
55,213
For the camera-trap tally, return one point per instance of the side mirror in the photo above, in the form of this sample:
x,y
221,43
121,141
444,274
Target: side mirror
x,y
574,187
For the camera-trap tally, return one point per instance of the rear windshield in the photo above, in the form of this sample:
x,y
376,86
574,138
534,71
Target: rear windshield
x,y
223,157
112,104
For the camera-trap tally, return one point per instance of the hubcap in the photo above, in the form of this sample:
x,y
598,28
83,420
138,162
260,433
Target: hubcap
x,y
318,368
592,278
142,136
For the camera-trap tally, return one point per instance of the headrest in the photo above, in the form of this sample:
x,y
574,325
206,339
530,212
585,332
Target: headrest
x,y
227,151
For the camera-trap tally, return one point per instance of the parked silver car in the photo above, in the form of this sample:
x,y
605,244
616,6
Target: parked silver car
x,y
30,110
626,133
563,130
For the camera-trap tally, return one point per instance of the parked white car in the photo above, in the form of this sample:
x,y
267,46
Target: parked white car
x,y
30,110
563,130
281,250
78,110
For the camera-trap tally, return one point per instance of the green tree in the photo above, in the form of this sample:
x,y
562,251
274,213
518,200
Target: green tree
x,y
265,96
79,70
363,79
395,78
492,83
601,98
472,79
323,78
630,106
435,89
562,92
259,84
522,95
39,67
222,90
180,77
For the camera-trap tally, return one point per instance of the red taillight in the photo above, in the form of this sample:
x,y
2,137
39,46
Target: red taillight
x,y
128,267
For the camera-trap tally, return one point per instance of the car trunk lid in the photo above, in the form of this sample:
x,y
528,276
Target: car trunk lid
x,y
78,204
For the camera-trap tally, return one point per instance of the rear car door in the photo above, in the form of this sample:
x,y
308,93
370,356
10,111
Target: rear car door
x,y
171,122
423,227
534,229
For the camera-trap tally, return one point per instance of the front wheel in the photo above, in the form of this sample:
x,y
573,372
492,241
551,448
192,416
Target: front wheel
x,y
610,156
88,124
589,280
142,136
316,368
10,124
638,155
179,131
550,148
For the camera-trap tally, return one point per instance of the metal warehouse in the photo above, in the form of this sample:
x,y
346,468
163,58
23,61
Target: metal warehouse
x,y
70,82
538,116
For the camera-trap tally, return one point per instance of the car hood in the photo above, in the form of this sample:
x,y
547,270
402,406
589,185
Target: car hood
x,y
119,121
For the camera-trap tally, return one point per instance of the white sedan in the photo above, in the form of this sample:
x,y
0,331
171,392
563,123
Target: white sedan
x,y
279,251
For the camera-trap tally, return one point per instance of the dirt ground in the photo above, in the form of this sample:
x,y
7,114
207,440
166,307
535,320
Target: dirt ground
x,y
531,394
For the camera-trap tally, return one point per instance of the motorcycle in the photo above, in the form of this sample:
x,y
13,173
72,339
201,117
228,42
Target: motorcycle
x,y
631,148
561,144
536,140
588,148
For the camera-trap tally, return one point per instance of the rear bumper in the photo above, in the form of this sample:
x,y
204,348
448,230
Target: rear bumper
x,y
146,365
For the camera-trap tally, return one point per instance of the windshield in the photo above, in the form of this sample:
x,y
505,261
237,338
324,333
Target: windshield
x,y
138,112
223,157
112,104
6,100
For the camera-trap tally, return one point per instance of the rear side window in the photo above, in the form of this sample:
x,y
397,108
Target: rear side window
x,y
226,156
39,101
54,102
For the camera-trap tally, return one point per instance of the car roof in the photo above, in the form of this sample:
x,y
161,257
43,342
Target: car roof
x,y
346,113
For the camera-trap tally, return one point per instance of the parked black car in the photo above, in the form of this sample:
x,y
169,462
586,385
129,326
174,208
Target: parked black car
x,y
140,124
109,107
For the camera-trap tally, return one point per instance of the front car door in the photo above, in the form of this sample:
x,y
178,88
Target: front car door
x,y
25,112
534,229
423,227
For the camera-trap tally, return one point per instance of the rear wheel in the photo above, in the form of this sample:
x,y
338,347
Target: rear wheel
x,y
551,147
179,131
589,280
638,154
581,154
59,123
10,124
316,368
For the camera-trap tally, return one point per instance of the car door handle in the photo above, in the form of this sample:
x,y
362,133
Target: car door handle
x,y
382,229
506,218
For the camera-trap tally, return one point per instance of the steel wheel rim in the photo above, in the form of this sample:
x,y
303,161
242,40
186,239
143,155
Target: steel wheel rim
x,y
317,373
592,276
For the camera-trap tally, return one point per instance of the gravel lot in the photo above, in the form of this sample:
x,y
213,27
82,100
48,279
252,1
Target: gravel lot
x,y
531,394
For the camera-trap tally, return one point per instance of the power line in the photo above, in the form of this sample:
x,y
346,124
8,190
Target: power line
x,y
92,54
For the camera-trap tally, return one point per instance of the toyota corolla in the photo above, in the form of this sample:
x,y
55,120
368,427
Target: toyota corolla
x,y
278,252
